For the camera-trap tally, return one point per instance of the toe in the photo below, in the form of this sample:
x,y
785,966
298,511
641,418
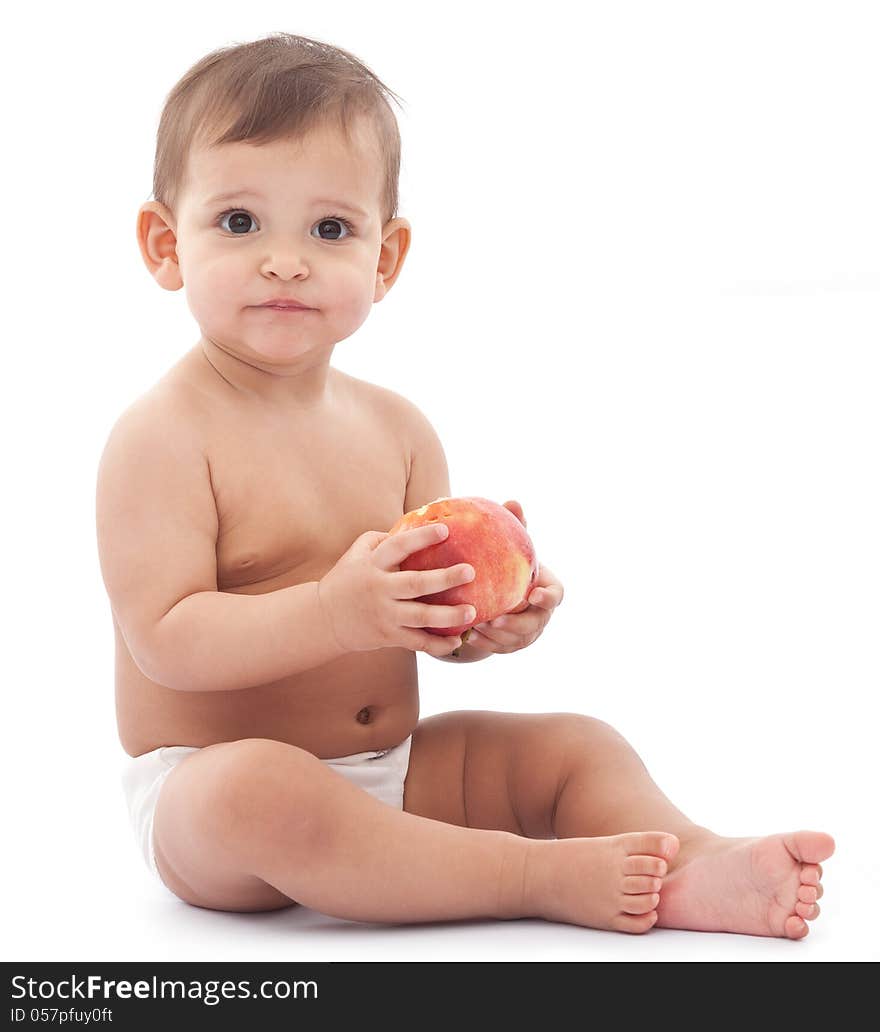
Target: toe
x,y
809,846
651,865
635,924
808,911
795,928
810,874
807,893
642,904
655,843
820,891
643,883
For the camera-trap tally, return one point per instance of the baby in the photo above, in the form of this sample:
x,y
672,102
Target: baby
x,y
266,638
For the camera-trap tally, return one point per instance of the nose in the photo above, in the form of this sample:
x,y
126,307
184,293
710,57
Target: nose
x,y
284,263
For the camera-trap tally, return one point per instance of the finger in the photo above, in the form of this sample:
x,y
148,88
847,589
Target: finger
x,y
367,542
438,646
545,598
396,547
424,614
489,644
517,511
548,589
431,644
498,637
415,583
478,642
520,625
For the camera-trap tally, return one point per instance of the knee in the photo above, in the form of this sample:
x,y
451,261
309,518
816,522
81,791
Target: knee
x,y
257,780
266,765
578,730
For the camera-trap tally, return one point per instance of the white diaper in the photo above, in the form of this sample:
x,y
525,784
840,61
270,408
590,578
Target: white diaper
x,y
382,774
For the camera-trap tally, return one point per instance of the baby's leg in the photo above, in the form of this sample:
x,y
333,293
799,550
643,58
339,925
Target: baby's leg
x,y
563,774
257,824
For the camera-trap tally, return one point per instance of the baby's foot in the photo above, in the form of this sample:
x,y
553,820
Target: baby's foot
x,y
611,882
756,886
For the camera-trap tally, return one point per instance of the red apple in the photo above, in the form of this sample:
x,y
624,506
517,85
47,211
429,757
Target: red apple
x,y
488,537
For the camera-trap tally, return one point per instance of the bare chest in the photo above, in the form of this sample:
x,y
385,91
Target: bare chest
x,y
291,501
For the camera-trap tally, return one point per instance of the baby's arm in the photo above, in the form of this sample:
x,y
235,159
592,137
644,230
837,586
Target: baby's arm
x,y
157,537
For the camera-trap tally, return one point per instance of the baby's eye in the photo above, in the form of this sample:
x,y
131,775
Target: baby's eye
x,y
333,229
239,221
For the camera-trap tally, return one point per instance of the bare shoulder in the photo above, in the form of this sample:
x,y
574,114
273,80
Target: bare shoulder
x,y
427,470
156,449
173,407
398,413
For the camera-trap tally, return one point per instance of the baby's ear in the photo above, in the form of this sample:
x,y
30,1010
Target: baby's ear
x,y
157,240
396,236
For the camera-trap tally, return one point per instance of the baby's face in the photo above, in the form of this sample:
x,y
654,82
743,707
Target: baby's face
x,y
292,220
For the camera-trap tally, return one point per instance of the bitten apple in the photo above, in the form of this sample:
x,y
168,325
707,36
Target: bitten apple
x,y
488,537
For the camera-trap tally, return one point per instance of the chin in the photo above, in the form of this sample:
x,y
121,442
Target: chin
x,y
275,353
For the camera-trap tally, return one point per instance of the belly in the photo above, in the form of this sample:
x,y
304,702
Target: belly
x,y
359,702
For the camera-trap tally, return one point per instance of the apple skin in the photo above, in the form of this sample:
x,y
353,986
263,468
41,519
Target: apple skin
x,y
488,537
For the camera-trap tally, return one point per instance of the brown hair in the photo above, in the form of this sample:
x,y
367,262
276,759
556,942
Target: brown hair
x,y
280,86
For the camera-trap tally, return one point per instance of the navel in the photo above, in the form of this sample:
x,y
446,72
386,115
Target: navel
x,y
364,716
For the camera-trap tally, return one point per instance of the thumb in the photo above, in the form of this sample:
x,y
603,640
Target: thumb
x,y
368,542
517,511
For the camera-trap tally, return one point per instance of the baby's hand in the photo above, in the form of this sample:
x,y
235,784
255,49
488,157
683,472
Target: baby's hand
x,y
368,600
516,631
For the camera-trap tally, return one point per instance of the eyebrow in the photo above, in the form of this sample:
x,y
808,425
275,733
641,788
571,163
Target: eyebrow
x,y
230,195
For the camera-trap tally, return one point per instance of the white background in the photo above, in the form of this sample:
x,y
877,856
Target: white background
x,y
642,298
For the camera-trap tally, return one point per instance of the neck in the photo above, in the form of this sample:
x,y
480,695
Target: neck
x,y
304,383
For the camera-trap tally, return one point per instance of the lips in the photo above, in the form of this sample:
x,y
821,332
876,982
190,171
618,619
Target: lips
x,y
284,304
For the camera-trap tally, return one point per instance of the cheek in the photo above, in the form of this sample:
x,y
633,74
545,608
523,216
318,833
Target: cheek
x,y
352,291
214,285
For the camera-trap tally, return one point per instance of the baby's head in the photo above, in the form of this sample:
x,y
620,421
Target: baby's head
x,y
276,176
